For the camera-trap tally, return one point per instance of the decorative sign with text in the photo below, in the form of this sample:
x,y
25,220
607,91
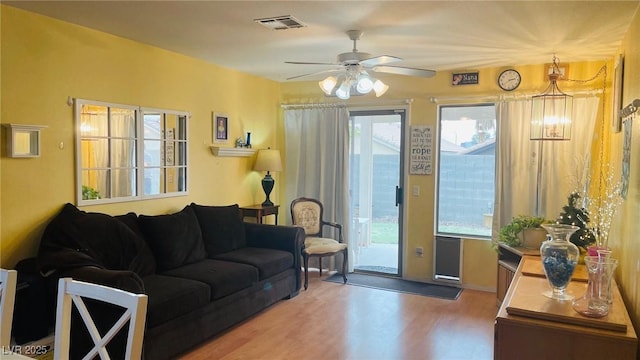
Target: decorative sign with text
x,y
467,78
420,160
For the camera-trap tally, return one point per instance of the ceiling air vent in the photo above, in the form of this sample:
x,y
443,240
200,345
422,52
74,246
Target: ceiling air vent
x,y
280,22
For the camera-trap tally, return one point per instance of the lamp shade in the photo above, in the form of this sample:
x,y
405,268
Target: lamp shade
x,y
328,84
344,91
364,84
268,160
380,88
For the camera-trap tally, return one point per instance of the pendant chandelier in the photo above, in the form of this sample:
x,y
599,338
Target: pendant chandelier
x,y
354,81
551,111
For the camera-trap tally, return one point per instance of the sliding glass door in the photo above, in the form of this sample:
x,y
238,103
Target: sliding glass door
x,y
376,143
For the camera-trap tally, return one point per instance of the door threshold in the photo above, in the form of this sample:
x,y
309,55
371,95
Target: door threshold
x,y
377,270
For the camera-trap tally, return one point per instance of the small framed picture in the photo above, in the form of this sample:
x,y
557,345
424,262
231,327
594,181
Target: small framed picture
x,y
220,128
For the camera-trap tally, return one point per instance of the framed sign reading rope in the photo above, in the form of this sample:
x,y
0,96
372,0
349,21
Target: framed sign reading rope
x,y
420,156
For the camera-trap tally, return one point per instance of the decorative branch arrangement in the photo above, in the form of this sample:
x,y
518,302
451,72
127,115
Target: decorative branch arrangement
x,y
602,208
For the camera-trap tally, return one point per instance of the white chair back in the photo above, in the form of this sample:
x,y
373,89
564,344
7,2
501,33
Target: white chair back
x,y
8,281
73,291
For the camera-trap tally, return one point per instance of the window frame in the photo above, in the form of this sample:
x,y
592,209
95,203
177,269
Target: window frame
x,y
164,142
437,231
139,167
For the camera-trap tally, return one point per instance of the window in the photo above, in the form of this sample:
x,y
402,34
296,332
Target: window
x,y
126,153
165,152
466,170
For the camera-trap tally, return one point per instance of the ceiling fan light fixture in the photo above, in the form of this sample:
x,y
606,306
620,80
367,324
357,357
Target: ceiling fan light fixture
x,y
380,88
353,78
328,84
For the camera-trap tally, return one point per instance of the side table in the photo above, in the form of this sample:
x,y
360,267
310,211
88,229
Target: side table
x,y
258,211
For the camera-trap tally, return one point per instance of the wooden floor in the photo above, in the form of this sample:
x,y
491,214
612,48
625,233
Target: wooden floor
x,y
336,321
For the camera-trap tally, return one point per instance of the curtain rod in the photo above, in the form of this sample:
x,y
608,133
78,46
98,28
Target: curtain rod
x,y
342,104
506,97
312,105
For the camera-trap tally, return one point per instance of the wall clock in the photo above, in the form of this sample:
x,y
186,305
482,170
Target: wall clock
x,y
509,80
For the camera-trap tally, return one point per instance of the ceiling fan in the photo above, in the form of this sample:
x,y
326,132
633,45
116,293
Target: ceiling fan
x,y
353,69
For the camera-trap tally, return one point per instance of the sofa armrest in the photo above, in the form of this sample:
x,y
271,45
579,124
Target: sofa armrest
x,y
285,238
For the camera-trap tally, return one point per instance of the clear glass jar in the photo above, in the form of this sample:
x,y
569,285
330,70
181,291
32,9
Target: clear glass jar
x,y
559,259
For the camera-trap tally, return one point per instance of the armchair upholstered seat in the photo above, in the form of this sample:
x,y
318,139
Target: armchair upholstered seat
x,y
308,214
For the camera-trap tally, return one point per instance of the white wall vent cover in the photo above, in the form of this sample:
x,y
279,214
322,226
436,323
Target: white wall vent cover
x,y
280,22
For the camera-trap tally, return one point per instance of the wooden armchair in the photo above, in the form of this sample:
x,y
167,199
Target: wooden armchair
x,y
307,213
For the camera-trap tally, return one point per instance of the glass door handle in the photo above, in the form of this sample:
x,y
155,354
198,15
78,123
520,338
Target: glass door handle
x,y
398,195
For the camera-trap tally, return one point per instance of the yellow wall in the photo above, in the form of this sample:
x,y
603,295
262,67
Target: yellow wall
x,y
44,61
479,260
626,227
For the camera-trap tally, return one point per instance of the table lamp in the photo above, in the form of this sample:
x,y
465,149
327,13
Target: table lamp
x,y
268,160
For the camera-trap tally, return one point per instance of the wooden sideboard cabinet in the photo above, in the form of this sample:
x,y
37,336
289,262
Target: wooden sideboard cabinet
x,y
530,326
508,261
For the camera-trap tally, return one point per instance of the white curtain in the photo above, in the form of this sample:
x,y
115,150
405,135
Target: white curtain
x,y
123,152
317,162
523,185
109,143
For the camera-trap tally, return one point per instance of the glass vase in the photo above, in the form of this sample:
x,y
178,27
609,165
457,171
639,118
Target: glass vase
x,y
595,302
605,256
559,259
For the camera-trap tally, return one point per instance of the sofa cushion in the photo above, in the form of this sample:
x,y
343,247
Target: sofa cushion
x,y
268,261
77,238
131,220
170,297
224,277
175,239
222,227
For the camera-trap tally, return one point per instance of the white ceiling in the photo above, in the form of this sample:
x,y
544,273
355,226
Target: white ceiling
x,y
437,35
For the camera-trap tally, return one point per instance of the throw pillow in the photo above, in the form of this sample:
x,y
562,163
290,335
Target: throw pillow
x,y
145,263
222,227
175,239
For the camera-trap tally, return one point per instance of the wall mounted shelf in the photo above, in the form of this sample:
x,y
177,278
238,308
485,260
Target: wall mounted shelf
x,y
23,141
234,152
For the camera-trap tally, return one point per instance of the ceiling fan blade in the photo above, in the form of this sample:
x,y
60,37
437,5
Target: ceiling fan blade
x,y
314,73
404,71
308,63
379,60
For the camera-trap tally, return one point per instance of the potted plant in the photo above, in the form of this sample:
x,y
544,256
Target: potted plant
x,y
89,193
524,230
